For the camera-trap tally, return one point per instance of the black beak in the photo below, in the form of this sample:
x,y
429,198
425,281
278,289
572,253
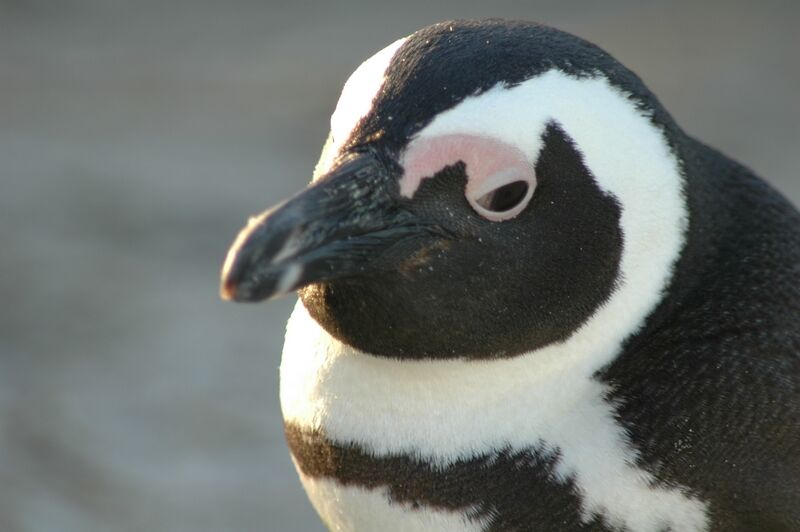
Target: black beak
x,y
338,227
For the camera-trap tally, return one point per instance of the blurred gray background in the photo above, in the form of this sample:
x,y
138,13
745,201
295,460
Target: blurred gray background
x,y
135,139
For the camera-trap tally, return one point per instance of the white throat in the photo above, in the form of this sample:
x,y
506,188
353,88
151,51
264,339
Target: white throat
x,y
443,411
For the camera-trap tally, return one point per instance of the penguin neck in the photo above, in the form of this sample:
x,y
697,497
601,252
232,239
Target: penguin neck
x,y
392,405
440,413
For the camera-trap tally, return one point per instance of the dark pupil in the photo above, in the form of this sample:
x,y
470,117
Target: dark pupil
x,y
504,198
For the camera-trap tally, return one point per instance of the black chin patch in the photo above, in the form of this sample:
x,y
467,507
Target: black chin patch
x,y
498,289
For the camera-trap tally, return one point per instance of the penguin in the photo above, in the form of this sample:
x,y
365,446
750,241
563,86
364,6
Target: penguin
x,y
529,301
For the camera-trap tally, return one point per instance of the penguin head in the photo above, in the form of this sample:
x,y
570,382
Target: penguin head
x,y
488,188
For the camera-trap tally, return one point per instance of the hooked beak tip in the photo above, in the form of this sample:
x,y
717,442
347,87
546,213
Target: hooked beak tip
x,y
227,290
240,293
228,284
244,282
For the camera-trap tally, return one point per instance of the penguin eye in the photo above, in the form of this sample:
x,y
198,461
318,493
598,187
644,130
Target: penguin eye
x,y
504,199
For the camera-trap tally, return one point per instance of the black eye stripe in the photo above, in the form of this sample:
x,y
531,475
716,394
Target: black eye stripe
x,y
505,197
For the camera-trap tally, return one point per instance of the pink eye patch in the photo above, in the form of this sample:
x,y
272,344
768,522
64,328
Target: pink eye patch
x,y
500,179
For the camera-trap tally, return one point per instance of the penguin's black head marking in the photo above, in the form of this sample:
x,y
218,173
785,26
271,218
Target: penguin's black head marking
x,y
437,67
477,206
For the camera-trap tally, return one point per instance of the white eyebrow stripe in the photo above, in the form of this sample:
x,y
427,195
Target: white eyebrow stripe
x,y
356,101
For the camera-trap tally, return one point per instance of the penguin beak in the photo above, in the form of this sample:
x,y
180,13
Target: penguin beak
x,y
338,227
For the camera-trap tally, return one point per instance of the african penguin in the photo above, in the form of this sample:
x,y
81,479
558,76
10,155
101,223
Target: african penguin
x,y
530,301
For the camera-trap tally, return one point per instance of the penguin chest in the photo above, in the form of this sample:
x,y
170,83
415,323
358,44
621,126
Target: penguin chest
x,y
454,445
